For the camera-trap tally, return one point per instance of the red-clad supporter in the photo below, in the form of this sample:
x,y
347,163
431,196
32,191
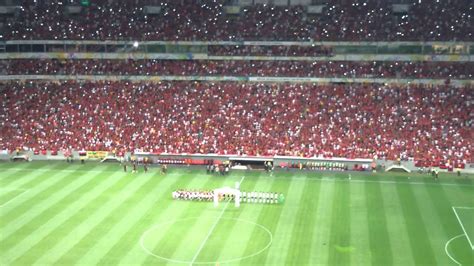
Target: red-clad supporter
x,y
360,20
429,124
274,50
444,70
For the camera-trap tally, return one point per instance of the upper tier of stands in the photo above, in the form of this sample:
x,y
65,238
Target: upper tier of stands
x,y
367,20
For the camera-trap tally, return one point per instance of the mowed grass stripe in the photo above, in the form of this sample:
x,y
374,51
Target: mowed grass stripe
x,y
416,227
104,205
87,167
168,244
229,248
182,244
7,165
12,167
277,220
187,237
73,218
286,226
159,212
8,195
220,245
447,198
461,196
322,221
61,206
11,175
451,197
398,231
22,216
102,227
359,231
33,180
109,248
107,237
378,231
163,211
339,237
433,208
302,233
23,182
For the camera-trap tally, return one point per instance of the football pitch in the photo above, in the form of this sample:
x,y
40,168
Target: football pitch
x,y
54,213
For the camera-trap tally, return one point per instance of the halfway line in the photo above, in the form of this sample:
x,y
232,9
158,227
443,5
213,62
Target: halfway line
x,y
212,229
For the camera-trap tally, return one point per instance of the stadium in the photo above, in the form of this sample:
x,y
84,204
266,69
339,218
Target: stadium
x,y
236,132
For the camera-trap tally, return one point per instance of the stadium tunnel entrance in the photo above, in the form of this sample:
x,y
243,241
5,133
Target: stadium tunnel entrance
x,y
251,163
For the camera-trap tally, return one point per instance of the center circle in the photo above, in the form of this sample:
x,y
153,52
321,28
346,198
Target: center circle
x,y
147,235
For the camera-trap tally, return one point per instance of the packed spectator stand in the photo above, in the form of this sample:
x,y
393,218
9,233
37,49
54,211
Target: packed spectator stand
x,y
274,50
368,20
381,69
431,124
428,123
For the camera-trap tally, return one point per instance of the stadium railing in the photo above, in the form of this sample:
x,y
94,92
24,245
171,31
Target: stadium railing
x,y
280,162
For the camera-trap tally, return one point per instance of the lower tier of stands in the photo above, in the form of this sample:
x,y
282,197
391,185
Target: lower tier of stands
x,y
427,123
345,69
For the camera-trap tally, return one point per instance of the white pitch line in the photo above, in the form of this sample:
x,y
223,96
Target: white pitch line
x,y
13,198
211,230
60,170
464,230
447,252
325,178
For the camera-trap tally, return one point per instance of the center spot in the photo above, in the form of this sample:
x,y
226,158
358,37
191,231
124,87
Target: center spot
x,y
232,239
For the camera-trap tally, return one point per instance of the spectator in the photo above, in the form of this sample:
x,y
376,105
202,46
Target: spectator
x,y
443,70
368,20
426,123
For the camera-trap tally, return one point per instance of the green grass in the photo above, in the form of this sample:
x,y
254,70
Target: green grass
x,y
53,213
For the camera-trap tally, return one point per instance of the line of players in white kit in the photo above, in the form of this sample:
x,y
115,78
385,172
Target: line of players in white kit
x,y
260,197
208,195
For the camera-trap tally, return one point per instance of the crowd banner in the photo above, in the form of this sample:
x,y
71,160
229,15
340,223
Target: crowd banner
x,y
453,82
96,154
266,43
203,56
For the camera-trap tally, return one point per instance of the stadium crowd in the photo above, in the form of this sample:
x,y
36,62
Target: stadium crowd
x,y
360,20
274,50
444,70
427,123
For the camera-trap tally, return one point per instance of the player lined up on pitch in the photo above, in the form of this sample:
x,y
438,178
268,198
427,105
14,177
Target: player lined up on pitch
x,y
262,197
248,197
195,195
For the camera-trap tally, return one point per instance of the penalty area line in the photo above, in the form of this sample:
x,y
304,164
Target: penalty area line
x,y
463,229
466,208
212,229
385,182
